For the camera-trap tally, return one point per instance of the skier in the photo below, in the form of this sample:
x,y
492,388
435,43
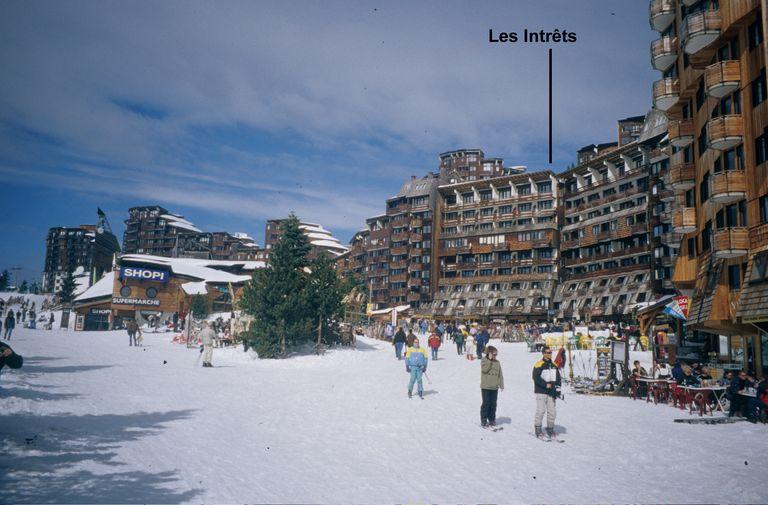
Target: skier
x,y
481,340
398,342
207,335
491,381
546,386
411,338
10,324
434,344
416,365
51,321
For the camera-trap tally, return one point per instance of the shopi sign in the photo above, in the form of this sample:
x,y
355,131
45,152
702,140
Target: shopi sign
x,y
136,301
145,274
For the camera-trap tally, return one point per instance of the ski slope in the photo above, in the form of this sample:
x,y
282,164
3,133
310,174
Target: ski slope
x,y
90,420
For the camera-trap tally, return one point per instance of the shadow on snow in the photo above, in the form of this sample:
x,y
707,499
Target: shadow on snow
x,y
45,459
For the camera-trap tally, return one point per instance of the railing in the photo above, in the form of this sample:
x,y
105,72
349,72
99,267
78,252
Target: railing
x,y
680,132
666,92
684,219
662,12
728,186
700,29
725,131
663,52
682,175
731,242
722,78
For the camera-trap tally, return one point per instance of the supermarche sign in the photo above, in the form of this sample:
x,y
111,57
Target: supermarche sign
x,y
151,302
144,274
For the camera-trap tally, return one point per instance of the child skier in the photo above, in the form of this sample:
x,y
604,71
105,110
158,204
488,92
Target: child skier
x,y
491,381
416,365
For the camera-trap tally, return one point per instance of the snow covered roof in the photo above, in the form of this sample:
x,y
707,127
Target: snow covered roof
x,y
195,288
204,270
180,222
102,288
320,237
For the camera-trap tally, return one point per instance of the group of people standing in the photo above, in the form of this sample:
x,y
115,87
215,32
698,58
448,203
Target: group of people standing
x,y
545,375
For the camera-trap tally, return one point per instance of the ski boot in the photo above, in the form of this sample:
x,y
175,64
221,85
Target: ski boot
x,y
410,395
551,434
421,395
539,434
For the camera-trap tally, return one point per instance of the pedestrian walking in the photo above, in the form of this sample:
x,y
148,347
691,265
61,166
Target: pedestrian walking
x,y
399,341
491,382
434,345
416,365
458,338
481,340
132,328
546,386
10,324
207,335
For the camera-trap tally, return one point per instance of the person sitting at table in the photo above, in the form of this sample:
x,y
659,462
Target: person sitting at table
x,y
740,382
688,379
704,373
677,371
696,367
662,370
758,404
638,370
726,379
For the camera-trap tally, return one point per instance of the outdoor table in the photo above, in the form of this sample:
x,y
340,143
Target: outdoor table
x,y
705,392
750,393
649,382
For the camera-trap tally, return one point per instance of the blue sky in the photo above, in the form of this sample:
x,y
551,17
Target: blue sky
x,y
233,113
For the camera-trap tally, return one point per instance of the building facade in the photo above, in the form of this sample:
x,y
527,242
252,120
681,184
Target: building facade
x,y
712,56
321,240
615,244
497,247
91,247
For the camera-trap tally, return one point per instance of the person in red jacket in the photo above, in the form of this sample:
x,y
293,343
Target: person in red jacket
x,y
434,344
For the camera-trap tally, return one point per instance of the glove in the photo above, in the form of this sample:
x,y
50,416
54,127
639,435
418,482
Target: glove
x,y
408,369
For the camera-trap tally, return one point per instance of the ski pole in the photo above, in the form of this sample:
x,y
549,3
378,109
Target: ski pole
x,y
427,376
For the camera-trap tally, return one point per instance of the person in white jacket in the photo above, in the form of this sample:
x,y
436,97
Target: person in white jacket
x,y
207,335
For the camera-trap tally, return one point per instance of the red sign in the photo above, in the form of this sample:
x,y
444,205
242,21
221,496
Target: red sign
x,y
682,302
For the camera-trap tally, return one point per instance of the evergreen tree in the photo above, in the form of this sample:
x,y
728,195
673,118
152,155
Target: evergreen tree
x,y
275,296
67,290
199,307
24,288
4,280
324,298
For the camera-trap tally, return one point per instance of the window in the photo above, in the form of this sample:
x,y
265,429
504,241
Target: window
x,y
468,197
485,195
545,269
755,33
701,96
524,270
764,209
706,237
544,187
704,188
499,302
759,89
761,148
492,239
125,291
734,280
505,209
759,268
151,292
546,204
524,189
505,192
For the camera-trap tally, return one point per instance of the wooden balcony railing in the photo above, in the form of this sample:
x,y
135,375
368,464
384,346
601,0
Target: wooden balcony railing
x,y
680,132
682,175
728,186
700,29
684,220
725,131
722,78
731,242
662,13
664,52
666,93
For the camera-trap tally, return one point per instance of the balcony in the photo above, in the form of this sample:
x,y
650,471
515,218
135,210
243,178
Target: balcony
x,y
725,132
681,132
684,220
700,29
728,186
666,93
731,242
662,13
722,78
666,195
682,176
663,53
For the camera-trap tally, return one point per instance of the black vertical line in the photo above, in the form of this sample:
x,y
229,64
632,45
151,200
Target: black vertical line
x,y
550,105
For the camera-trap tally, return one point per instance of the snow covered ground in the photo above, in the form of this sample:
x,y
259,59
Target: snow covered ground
x,y
90,420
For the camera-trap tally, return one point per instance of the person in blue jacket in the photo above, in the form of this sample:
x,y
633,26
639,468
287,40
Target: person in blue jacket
x,y
481,340
677,371
416,365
